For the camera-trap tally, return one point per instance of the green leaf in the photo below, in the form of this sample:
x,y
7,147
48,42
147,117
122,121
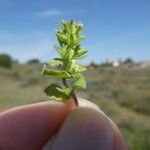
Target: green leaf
x,y
80,83
80,54
69,54
81,69
79,29
73,27
81,57
66,91
66,26
43,69
55,61
61,37
71,65
60,51
76,75
53,72
54,92
79,39
76,68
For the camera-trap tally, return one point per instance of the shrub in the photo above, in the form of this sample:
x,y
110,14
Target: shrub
x,y
128,61
93,65
5,61
33,61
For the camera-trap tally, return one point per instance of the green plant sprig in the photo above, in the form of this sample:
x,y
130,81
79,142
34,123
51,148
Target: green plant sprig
x,y
69,37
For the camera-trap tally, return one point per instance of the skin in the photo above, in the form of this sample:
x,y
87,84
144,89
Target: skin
x,y
58,126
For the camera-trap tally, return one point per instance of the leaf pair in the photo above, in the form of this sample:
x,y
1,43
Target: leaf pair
x,y
57,73
56,92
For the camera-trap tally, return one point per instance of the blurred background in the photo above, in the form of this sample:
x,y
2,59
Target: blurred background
x,y
118,38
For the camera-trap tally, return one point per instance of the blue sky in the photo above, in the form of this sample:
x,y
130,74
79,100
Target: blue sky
x,y
114,29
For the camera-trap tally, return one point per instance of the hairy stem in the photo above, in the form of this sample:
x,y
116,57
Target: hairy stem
x,y
73,93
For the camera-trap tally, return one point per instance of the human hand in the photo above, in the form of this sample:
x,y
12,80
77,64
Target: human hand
x,y
85,128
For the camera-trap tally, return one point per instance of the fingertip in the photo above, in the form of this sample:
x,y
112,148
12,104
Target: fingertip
x,y
29,127
119,143
88,104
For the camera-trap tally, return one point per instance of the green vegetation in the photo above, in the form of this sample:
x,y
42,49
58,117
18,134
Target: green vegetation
x,y
5,61
121,92
33,61
70,51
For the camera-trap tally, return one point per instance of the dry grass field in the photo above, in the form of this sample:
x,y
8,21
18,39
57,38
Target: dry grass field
x,y
123,93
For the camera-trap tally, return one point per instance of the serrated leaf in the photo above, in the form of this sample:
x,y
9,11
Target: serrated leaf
x,y
53,91
80,83
76,75
53,72
76,68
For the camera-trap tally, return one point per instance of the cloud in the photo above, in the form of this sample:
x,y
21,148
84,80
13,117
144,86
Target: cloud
x,y
49,13
55,12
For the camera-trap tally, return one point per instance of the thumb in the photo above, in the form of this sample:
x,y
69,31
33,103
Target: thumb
x,y
86,129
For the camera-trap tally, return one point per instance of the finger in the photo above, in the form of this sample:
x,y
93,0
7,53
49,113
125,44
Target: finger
x,y
85,129
29,127
119,143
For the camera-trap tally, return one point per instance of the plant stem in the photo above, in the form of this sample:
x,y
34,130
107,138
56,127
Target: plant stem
x,y
75,99
73,93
